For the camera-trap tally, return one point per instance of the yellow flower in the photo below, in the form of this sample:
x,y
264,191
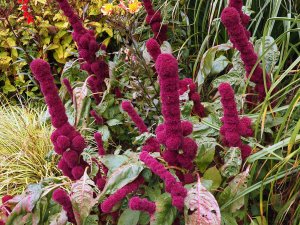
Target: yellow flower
x,y
107,9
134,6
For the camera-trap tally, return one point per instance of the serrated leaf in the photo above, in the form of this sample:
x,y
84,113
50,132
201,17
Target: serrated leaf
x,y
122,176
201,207
82,198
129,217
165,213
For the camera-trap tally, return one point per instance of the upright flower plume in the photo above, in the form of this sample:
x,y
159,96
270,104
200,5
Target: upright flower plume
x,y
141,204
62,198
66,140
231,19
113,199
245,19
87,48
188,84
233,127
177,191
155,21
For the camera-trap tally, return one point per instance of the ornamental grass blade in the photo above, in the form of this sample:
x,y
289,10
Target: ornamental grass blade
x,y
201,207
82,198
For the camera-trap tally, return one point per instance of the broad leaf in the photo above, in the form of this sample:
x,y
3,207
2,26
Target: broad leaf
x,y
201,207
232,162
214,175
23,211
237,185
129,217
59,218
82,198
206,152
165,213
122,176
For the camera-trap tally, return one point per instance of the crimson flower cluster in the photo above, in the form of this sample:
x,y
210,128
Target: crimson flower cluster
x,y
233,127
112,200
87,48
231,18
245,19
62,198
154,19
180,150
142,204
176,189
25,9
188,84
66,140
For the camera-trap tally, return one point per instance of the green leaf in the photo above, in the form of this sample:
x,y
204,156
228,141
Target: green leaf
x,y
227,219
165,213
113,122
113,162
92,220
237,185
141,139
122,176
129,217
231,77
82,198
207,61
104,132
206,152
219,64
232,162
214,175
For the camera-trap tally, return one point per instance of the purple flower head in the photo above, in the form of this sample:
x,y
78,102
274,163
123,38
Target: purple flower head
x,y
233,127
113,199
142,204
62,198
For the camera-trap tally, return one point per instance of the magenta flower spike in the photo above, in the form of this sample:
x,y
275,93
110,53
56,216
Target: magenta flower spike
x,y
231,19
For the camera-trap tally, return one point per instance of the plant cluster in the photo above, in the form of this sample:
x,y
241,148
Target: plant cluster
x,y
139,142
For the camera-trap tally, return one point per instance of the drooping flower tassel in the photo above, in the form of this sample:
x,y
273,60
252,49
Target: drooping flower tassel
x,y
233,127
230,17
